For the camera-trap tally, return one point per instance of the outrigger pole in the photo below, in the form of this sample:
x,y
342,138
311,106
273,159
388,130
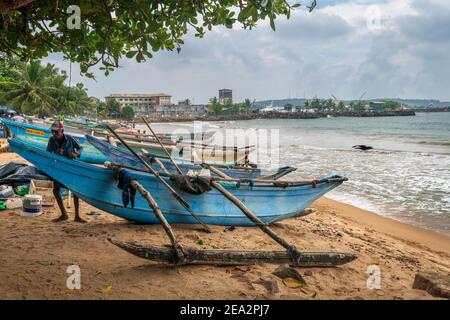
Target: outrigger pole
x,y
163,146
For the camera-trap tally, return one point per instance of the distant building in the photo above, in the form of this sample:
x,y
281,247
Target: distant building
x,y
142,103
376,106
179,110
225,95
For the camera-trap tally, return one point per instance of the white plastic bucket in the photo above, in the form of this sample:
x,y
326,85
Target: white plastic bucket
x,y
32,205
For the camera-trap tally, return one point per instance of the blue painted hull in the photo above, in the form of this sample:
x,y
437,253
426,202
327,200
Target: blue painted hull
x,y
97,186
19,128
89,154
123,156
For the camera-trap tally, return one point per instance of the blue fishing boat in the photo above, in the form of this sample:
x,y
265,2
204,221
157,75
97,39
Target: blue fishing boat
x,y
89,154
19,128
123,156
97,186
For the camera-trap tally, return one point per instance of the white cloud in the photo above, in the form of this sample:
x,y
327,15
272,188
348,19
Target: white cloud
x,y
330,51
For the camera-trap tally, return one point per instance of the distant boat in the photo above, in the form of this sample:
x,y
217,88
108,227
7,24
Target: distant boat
x,y
98,187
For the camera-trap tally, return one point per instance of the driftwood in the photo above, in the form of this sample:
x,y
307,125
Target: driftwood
x,y
233,257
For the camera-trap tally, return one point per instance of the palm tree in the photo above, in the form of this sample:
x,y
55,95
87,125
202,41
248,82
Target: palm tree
x,y
33,91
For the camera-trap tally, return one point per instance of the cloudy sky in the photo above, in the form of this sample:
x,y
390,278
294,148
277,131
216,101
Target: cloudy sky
x,y
386,48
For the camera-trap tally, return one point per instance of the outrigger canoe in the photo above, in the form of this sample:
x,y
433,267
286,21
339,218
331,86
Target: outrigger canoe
x,y
270,202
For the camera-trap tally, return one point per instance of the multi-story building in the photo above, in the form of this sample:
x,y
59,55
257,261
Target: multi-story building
x,y
225,95
142,103
179,110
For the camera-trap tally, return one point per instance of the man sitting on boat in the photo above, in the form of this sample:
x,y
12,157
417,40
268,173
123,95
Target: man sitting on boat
x,y
67,146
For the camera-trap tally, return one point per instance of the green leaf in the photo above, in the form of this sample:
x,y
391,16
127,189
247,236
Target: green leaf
x,y
272,24
139,57
83,67
131,54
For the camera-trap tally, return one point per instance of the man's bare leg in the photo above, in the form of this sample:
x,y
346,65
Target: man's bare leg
x,y
60,203
76,203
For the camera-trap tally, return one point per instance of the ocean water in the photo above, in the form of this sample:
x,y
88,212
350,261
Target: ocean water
x,y
405,177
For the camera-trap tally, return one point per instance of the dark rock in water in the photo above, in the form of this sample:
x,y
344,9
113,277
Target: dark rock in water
x,y
362,147
438,285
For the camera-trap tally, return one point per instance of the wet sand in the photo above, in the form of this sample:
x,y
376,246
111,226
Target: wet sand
x,y
36,252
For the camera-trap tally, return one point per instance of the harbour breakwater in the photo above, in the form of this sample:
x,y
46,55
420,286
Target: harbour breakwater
x,y
279,115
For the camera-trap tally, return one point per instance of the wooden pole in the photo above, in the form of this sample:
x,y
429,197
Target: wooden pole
x,y
178,250
294,254
156,174
163,167
216,171
161,144
234,257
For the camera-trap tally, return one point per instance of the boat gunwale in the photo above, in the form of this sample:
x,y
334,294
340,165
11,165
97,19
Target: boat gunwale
x,y
88,166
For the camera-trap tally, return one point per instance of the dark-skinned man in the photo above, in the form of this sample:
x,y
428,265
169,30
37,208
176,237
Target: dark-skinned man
x,y
64,145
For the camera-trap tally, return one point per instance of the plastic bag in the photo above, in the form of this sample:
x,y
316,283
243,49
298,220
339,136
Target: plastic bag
x,y
22,190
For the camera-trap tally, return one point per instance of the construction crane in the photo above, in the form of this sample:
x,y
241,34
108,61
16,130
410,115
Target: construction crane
x,y
362,95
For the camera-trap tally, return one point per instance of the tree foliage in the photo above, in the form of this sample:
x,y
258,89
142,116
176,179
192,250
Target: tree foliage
x,y
128,112
113,108
288,107
229,107
114,29
392,105
37,89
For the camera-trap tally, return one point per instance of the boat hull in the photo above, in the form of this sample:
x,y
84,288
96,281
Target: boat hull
x,y
26,129
89,154
98,187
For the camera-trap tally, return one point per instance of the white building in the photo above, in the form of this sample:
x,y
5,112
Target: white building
x,y
142,103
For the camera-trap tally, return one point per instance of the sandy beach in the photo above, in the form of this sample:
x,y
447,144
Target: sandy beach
x,y
36,252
